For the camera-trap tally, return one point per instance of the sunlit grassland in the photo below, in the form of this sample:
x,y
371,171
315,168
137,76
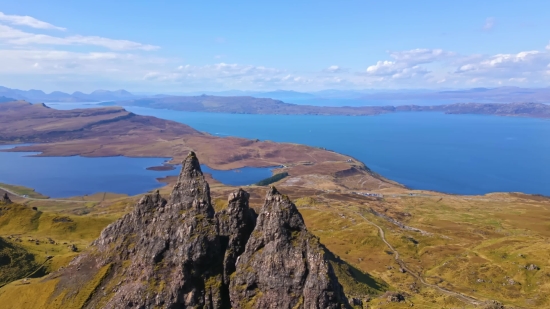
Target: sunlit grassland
x,y
479,246
21,190
476,245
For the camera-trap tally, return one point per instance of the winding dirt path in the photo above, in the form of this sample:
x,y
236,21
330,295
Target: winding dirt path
x,y
463,297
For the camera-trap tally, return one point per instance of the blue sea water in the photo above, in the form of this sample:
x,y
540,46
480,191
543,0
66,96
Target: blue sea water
x,y
76,176
463,154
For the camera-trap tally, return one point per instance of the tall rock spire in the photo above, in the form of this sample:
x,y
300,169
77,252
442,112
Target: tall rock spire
x,y
283,265
192,190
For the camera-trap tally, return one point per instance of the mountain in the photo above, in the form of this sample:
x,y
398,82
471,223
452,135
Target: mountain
x,y
245,105
329,97
22,121
39,96
180,253
5,99
265,106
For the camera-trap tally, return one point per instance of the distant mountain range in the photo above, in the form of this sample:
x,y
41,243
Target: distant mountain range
x,y
5,99
39,96
355,98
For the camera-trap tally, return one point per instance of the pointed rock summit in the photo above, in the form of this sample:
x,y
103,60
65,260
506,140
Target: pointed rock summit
x,y
191,190
181,254
283,265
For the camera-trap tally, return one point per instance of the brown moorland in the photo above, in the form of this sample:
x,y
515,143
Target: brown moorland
x,y
116,132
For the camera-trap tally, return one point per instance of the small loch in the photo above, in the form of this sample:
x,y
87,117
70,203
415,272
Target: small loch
x,y
60,177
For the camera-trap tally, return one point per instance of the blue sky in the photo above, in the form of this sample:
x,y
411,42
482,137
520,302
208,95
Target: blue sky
x,y
154,46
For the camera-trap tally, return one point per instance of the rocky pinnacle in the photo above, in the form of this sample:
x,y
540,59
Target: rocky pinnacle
x,y
283,265
181,254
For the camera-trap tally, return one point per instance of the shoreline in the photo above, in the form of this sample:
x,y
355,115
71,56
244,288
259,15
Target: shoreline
x,y
173,166
152,137
266,106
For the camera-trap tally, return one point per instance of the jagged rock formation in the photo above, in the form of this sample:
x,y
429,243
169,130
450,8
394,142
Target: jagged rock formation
x,y
6,199
181,254
235,224
283,265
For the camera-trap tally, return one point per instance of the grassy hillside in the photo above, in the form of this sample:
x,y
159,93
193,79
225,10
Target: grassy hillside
x,y
23,190
16,263
487,247
43,234
483,246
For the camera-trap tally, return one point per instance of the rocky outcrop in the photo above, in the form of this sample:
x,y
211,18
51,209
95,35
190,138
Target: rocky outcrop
x,y
6,199
181,254
235,223
172,250
283,265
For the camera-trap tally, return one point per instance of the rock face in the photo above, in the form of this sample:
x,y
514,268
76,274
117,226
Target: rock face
x,y
283,265
6,199
181,254
235,223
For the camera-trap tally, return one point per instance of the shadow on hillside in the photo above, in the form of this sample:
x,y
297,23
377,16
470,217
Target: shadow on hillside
x,y
16,263
354,281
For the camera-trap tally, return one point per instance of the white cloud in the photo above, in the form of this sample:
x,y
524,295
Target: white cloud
x,y
54,62
224,75
406,64
508,65
224,70
27,21
412,72
427,67
421,55
14,36
334,69
489,24
31,54
382,68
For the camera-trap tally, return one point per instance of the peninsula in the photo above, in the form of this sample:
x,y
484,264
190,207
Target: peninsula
x,y
113,131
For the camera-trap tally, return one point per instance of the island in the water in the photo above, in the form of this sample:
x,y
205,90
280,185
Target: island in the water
x,y
266,106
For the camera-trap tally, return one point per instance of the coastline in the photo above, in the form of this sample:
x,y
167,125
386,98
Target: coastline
x,y
307,166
